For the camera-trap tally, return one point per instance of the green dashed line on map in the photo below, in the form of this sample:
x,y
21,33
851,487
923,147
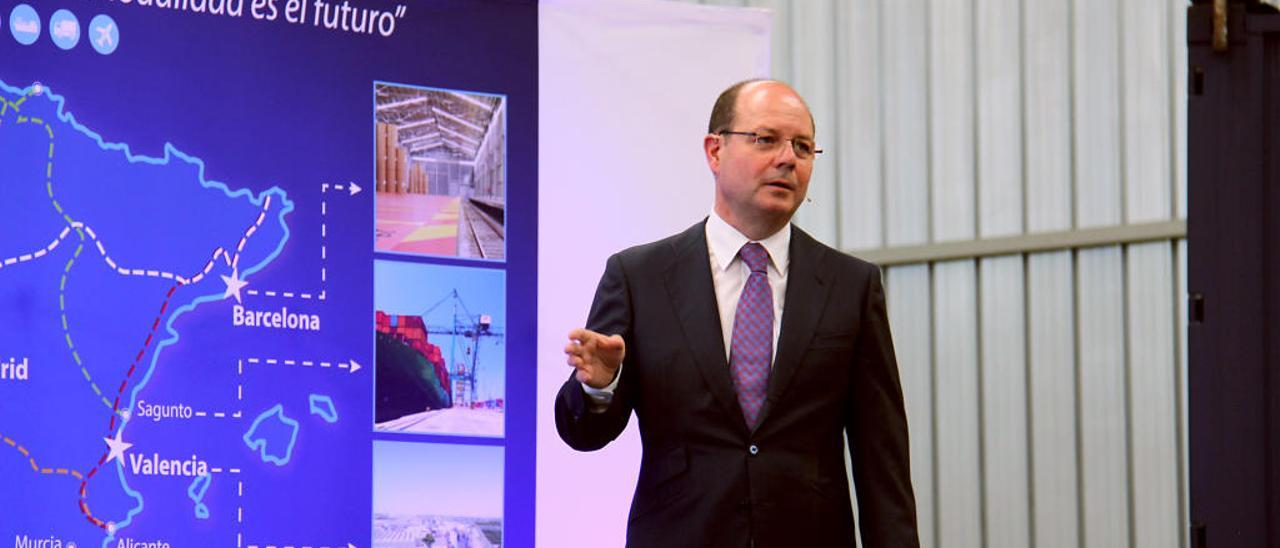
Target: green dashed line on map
x,y
62,285
17,107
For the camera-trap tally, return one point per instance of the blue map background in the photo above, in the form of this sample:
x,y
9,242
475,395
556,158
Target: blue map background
x,y
241,110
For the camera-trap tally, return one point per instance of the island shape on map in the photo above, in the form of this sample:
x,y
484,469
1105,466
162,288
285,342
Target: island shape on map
x,y
273,435
323,406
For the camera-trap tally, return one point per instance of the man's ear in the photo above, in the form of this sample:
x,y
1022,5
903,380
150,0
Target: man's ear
x,y
711,145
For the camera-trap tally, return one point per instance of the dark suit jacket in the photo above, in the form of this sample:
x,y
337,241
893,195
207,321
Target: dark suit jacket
x,y
705,479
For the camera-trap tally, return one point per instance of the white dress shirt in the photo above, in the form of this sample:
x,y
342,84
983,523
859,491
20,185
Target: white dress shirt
x,y
729,275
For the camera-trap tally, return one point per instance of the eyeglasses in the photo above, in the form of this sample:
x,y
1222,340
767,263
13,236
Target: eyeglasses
x,y
803,148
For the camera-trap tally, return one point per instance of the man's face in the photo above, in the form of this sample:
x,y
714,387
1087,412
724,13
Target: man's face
x,y
753,185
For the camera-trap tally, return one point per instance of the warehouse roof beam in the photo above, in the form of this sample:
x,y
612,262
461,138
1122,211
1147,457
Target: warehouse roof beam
x,y
418,123
453,133
472,101
423,137
457,120
404,103
425,146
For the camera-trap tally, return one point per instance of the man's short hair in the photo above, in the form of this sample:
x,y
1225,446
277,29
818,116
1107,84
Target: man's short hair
x,y
722,114
725,109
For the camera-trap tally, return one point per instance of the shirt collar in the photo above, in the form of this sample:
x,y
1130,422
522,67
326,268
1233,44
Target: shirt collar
x,y
724,241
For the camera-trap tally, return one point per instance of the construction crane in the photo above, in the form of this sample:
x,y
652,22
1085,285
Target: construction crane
x,y
470,329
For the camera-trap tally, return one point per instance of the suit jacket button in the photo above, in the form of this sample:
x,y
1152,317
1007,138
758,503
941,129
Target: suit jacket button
x,y
753,449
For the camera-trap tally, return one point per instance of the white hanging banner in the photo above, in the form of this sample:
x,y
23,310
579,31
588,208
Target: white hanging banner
x,y
625,92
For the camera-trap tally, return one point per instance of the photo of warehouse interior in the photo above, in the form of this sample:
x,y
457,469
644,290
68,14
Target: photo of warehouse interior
x,y
441,172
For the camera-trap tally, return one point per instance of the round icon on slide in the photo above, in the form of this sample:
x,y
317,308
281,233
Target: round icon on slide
x,y
103,34
64,29
24,24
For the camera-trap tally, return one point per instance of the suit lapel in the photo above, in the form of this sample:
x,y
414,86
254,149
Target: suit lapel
x,y
807,289
693,297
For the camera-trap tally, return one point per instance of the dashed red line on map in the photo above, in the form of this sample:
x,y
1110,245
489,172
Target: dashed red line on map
x,y
133,367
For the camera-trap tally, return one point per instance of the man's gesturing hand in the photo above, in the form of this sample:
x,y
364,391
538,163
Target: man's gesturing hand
x,y
595,356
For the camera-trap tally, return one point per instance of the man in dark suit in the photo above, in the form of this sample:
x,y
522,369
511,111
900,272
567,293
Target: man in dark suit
x,y
744,446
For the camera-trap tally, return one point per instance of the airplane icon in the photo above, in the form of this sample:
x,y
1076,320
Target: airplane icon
x,y
104,35
104,38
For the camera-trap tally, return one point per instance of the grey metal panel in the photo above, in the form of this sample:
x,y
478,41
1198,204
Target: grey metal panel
x,y
1064,102
1146,83
1047,93
1104,456
1052,399
1152,396
910,311
906,138
814,76
781,56
1004,402
858,75
853,493
959,435
1027,243
1178,101
1096,112
998,31
1180,305
951,113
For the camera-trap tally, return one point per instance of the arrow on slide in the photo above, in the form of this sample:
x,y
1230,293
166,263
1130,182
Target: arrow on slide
x,y
349,545
350,366
351,187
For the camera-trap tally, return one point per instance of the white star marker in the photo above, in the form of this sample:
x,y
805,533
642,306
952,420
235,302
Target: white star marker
x,y
234,285
118,446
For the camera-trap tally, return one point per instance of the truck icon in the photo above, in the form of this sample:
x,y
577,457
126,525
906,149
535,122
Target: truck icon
x,y
67,29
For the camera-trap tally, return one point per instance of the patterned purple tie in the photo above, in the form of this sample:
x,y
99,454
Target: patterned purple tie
x,y
752,346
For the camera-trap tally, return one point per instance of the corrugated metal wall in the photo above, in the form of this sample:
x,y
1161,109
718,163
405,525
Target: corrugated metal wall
x,y
1045,391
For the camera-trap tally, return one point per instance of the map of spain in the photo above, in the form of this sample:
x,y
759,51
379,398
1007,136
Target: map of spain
x,y
151,390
